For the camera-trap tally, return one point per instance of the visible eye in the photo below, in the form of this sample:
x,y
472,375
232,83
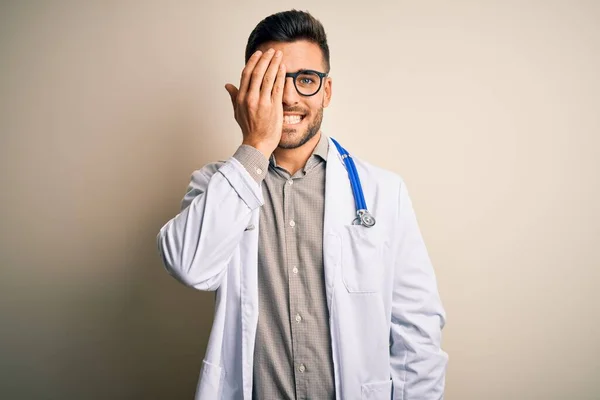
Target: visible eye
x,y
306,80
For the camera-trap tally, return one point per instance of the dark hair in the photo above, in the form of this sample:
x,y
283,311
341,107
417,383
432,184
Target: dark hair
x,y
289,26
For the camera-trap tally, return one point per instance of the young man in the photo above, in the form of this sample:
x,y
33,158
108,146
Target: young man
x,y
310,303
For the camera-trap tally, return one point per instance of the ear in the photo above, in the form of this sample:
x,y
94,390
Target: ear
x,y
327,92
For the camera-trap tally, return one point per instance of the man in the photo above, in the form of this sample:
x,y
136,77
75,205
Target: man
x,y
309,304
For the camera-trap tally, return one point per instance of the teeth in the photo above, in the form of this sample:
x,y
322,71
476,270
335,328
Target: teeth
x,y
292,119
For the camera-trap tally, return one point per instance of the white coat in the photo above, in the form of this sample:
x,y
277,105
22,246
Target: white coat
x,y
385,313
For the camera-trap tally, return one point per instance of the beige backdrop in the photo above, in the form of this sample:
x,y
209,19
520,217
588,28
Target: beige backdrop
x,y
490,110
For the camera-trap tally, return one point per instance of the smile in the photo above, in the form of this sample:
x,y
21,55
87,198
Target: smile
x,y
292,119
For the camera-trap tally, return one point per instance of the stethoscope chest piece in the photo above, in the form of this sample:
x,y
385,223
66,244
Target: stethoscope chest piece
x,y
364,218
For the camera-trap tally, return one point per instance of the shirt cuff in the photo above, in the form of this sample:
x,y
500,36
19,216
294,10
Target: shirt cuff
x,y
253,160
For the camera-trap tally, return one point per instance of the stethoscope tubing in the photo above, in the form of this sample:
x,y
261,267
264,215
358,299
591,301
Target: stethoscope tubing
x,y
363,215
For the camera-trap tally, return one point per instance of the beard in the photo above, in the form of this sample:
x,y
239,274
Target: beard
x,y
297,140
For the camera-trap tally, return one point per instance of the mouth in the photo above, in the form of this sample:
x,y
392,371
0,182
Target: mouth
x,y
292,119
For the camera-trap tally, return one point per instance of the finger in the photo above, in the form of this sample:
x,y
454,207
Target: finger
x,y
278,86
259,72
270,75
233,92
247,73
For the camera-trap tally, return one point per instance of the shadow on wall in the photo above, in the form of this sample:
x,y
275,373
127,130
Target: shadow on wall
x,y
106,321
145,337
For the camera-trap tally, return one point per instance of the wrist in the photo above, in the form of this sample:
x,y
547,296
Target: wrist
x,y
265,149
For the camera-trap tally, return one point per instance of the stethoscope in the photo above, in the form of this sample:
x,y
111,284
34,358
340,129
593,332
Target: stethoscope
x,y
363,216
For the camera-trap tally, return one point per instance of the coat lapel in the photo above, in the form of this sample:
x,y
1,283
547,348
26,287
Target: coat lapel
x,y
340,210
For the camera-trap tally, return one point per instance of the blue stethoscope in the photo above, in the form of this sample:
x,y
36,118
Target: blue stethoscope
x,y
363,216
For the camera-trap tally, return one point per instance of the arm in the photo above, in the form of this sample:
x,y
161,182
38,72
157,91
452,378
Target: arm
x,y
197,244
418,364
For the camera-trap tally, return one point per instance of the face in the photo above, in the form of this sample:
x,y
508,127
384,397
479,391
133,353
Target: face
x,y
300,55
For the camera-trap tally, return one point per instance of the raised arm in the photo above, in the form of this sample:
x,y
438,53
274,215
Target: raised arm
x,y
197,244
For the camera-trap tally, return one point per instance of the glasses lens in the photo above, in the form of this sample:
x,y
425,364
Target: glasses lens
x,y
308,83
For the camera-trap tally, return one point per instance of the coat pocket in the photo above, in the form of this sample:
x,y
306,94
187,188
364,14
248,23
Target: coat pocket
x,y
210,384
377,390
362,259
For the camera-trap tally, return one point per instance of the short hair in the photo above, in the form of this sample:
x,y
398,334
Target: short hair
x,y
289,26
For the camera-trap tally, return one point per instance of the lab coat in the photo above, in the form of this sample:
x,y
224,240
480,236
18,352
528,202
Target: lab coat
x,y
385,312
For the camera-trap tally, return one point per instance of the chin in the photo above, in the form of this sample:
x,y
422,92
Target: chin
x,y
289,142
292,139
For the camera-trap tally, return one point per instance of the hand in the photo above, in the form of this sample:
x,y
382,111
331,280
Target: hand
x,y
257,105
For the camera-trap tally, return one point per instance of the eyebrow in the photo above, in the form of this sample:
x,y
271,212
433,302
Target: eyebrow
x,y
303,70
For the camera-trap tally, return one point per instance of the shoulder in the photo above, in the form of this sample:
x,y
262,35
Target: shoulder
x,y
377,174
204,174
199,182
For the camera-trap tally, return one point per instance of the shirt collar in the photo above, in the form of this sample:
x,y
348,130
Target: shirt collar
x,y
320,151
322,147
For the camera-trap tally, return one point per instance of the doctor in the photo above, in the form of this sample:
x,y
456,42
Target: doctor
x,y
311,301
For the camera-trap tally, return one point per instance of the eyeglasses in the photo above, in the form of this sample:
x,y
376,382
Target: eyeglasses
x,y
307,81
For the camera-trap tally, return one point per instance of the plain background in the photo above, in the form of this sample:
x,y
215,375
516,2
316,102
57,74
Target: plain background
x,y
490,110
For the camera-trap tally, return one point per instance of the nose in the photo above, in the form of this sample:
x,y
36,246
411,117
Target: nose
x,y
290,95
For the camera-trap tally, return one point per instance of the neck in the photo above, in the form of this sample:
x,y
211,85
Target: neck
x,y
292,160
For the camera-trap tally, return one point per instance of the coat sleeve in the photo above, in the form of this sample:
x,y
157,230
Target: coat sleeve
x,y
418,364
198,243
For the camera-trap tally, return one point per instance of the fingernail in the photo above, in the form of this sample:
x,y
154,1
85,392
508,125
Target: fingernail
x,y
271,51
278,54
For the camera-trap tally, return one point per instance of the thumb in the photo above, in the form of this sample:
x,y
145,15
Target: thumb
x,y
233,92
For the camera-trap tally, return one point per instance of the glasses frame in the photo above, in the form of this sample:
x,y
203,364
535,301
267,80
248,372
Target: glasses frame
x,y
294,75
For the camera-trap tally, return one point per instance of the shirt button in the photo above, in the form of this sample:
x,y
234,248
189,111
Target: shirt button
x,y
258,171
301,368
292,223
295,270
290,182
298,318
